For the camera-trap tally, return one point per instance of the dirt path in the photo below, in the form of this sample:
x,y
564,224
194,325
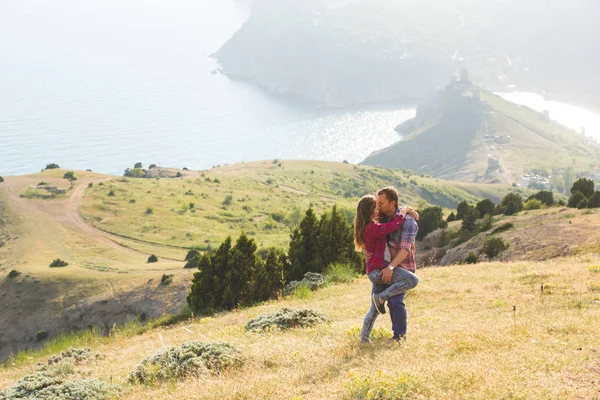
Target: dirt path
x,y
65,211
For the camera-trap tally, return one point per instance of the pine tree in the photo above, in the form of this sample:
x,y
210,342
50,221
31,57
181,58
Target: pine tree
x,y
239,269
462,209
304,247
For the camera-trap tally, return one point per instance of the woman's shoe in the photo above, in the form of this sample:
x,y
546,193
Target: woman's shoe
x,y
379,306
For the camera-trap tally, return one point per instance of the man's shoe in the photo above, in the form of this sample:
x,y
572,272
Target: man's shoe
x,y
380,307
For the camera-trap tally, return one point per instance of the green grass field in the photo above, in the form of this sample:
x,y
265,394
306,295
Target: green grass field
x,y
264,199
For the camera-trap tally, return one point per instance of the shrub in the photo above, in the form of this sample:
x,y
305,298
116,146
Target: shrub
x,y
502,228
594,200
111,193
546,197
472,258
512,203
286,318
41,335
532,204
451,217
152,166
13,274
227,201
378,387
192,262
152,259
1,179
178,174
91,184
58,263
493,247
584,186
431,218
192,254
576,199
149,211
216,180
52,166
166,279
138,165
340,273
485,207
312,280
189,359
132,201
74,355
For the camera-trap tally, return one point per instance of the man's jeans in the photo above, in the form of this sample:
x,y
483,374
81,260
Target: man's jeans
x,y
402,280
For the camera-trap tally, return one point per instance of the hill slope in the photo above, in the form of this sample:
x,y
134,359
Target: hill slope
x,y
453,134
465,342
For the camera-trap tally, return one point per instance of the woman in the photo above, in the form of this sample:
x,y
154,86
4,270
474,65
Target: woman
x,y
369,235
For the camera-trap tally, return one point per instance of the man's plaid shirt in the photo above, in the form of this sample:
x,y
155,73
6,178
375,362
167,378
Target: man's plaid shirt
x,y
403,238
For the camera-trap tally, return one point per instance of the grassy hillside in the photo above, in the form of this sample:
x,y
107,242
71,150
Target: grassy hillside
x,y
476,332
458,122
262,198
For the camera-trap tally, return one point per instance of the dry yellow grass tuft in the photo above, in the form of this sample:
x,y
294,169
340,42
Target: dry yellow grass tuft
x,y
487,331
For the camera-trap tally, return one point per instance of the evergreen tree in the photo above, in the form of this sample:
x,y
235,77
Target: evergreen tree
x,y
336,241
304,247
431,219
451,217
485,206
240,266
584,186
462,209
512,203
594,200
546,197
470,220
576,199
268,276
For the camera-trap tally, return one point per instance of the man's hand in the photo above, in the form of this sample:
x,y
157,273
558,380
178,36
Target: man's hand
x,y
367,255
414,214
386,275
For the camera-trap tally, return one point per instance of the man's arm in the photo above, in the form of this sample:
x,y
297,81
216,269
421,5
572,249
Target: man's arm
x,y
407,239
409,234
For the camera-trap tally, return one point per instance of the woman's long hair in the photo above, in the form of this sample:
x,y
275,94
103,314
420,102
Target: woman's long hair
x,y
364,216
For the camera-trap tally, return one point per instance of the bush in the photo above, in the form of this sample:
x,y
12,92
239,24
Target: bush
x,y
192,254
502,228
532,204
111,193
286,318
594,200
472,258
189,359
52,166
166,279
152,259
228,199
485,207
58,263
13,274
152,166
178,174
340,273
312,280
74,355
149,211
512,203
41,335
431,218
576,199
584,186
546,197
1,179
451,217
377,386
493,247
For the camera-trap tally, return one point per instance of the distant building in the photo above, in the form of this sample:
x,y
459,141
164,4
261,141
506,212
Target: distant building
x,y
493,163
535,180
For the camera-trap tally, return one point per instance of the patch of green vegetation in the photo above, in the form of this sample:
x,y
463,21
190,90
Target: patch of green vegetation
x,y
286,318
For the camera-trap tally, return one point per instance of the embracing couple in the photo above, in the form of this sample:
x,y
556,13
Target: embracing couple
x,y
386,233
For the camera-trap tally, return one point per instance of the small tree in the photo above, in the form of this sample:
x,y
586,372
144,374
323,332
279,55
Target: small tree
x,y
594,200
451,217
546,197
462,209
493,247
576,199
583,185
472,258
70,176
138,165
512,203
485,207
532,204
52,166
470,220
431,219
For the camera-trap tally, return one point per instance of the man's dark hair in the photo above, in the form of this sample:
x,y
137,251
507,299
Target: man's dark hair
x,y
391,194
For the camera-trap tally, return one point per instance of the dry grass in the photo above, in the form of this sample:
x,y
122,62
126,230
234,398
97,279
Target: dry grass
x,y
465,342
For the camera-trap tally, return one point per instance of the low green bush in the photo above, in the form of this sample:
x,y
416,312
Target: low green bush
x,y
58,263
340,273
189,359
152,259
493,247
13,274
286,318
312,280
472,258
166,279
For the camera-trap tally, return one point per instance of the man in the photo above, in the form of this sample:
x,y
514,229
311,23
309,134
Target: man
x,y
400,253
